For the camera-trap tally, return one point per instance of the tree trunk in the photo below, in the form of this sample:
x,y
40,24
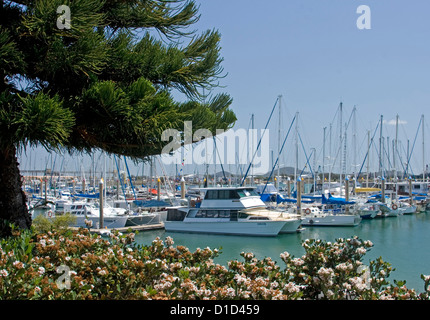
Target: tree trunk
x,y
13,207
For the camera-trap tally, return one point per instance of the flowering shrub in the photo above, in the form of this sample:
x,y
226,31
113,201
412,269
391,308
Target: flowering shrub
x,y
68,264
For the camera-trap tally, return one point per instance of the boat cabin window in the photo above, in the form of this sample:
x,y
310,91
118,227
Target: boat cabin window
x,y
233,216
247,193
221,195
259,218
214,214
230,194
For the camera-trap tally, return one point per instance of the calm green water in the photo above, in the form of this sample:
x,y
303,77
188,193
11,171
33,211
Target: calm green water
x,y
402,241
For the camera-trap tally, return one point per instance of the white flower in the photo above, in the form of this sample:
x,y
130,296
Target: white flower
x,y
342,267
368,243
3,273
325,271
298,262
291,287
361,250
358,283
330,294
285,255
347,286
18,264
230,292
41,270
102,272
169,241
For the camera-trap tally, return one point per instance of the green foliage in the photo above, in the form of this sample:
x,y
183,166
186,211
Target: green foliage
x,y
105,83
43,224
118,268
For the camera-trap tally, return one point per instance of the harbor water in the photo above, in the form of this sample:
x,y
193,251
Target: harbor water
x,y
402,241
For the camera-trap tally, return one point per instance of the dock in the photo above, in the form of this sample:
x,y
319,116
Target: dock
x,y
147,227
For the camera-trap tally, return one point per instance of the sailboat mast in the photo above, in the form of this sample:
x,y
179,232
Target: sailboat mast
x,y
354,142
297,148
368,158
323,162
279,135
424,164
252,148
340,146
380,148
395,147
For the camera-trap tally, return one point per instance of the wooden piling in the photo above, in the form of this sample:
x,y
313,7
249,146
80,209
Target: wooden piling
x,y
101,204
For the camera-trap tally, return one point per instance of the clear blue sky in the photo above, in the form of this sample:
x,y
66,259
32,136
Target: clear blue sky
x,y
312,53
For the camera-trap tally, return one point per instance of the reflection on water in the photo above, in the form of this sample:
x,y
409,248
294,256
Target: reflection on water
x,y
402,241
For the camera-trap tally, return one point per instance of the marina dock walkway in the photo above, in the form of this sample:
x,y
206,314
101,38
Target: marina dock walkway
x,y
126,229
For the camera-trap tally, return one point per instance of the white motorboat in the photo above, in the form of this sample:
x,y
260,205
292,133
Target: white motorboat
x,y
368,210
233,211
314,216
394,211
84,211
407,207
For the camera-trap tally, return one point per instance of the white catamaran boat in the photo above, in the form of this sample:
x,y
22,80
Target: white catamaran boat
x,y
233,211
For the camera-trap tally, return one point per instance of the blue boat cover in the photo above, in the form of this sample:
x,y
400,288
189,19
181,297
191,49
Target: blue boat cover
x,y
151,203
333,200
266,197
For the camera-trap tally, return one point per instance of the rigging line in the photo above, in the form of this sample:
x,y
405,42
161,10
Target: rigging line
x,y
239,166
120,179
308,164
243,150
367,153
129,177
400,156
280,151
341,143
52,170
220,161
165,175
307,159
413,146
259,142
385,152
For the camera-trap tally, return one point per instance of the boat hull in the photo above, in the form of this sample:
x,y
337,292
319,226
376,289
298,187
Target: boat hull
x,y
368,214
410,210
266,228
108,222
332,221
292,226
143,219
